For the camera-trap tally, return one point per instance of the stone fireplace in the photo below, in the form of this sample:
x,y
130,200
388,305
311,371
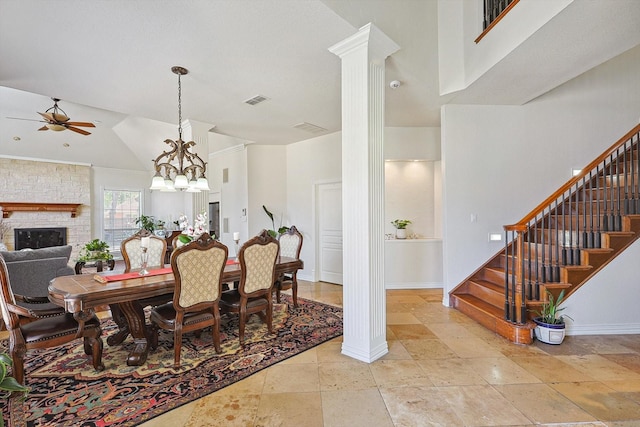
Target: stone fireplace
x,y
42,182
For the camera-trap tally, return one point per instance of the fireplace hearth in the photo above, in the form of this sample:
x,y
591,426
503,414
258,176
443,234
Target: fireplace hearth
x,y
35,238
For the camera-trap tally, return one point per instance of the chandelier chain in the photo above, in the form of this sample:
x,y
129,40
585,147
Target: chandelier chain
x,y
179,108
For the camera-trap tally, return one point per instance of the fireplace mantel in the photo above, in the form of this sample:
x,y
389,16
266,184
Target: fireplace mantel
x,y
9,207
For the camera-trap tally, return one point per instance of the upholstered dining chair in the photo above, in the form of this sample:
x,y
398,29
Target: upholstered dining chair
x,y
254,293
131,249
290,246
43,332
198,269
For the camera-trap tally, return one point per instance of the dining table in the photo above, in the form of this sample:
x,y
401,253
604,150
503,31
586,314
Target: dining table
x,y
82,294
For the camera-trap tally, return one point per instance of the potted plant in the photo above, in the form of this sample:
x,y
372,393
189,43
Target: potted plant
x,y
401,225
550,325
147,222
95,250
273,232
7,382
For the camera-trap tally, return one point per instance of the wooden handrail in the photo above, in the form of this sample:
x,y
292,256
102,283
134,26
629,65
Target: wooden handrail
x,y
495,21
602,157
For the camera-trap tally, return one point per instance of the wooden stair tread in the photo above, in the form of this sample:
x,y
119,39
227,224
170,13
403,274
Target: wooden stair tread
x,y
482,305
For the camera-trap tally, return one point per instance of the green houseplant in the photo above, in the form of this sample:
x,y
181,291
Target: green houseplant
x,y
273,232
401,225
550,324
8,383
95,250
147,222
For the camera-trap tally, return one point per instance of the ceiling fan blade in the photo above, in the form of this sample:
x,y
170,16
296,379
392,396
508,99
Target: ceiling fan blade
x,y
80,131
44,128
85,124
47,116
20,118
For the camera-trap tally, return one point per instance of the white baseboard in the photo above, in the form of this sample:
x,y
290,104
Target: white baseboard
x,y
611,329
414,285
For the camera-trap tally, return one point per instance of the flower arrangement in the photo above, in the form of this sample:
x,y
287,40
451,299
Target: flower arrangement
x,y
189,233
400,224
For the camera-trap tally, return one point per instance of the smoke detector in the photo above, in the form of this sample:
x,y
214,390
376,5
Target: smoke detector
x,y
395,84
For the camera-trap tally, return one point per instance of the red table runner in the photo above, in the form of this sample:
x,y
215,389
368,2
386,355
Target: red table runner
x,y
124,276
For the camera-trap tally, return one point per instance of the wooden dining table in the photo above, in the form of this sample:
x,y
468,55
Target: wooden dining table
x,y
82,294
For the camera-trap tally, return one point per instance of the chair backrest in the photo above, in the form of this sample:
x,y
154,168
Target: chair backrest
x,y
198,269
6,297
131,249
258,264
291,243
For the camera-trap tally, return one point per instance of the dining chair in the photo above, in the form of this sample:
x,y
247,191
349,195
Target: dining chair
x,y
290,246
43,332
254,293
198,269
131,249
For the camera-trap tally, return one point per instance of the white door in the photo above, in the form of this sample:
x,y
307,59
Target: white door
x,y
330,232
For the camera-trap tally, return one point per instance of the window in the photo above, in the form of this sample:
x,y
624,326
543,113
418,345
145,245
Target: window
x,y
121,208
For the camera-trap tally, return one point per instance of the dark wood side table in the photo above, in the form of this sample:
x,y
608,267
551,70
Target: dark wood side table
x,y
99,264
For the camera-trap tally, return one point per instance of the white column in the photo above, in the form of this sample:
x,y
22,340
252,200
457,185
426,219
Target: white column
x,y
198,132
363,56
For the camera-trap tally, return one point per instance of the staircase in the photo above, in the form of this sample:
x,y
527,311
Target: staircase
x,y
559,245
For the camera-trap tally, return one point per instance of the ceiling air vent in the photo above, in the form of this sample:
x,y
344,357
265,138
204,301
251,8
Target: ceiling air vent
x,y
256,100
308,127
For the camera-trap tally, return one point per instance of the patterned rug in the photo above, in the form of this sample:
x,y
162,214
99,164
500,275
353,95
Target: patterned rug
x,y
67,391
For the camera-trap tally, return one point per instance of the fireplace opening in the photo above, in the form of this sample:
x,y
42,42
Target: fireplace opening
x,y
35,238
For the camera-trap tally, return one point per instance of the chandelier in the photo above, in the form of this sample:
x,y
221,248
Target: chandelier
x,y
179,168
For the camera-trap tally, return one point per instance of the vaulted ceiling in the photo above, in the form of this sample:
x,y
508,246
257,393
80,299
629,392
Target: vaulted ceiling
x,y
109,61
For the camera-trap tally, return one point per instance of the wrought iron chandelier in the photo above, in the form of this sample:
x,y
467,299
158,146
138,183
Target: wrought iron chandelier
x,y
179,168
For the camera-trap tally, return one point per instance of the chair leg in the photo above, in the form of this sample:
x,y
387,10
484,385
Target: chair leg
x,y
278,292
18,366
215,328
294,289
177,347
270,317
242,321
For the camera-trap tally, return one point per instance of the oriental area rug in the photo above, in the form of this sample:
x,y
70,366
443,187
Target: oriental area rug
x,y
67,391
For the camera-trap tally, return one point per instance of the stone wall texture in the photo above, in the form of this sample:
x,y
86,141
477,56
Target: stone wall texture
x,y
44,182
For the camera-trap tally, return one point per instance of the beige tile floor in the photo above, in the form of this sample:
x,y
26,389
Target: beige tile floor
x,y
442,369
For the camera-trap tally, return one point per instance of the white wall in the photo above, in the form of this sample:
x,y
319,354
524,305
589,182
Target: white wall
x,y
499,162
267,183
232,194
309,163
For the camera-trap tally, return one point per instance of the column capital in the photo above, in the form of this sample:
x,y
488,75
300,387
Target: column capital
x,y
378,43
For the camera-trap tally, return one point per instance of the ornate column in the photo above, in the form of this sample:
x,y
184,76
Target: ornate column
x,y
363,66
198,132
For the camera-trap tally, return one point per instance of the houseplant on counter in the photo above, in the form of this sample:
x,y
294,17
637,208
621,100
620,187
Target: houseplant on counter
x,y
401,226
146,222
550,325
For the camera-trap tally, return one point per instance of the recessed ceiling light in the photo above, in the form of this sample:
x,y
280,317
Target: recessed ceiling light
x,y
66,144
16,138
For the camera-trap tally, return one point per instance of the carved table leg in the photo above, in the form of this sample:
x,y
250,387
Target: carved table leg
x,y
123,326
141,334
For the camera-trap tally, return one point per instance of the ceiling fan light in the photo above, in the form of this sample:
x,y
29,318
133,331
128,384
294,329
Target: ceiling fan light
x,y
55,127
157,183
203,184
181,181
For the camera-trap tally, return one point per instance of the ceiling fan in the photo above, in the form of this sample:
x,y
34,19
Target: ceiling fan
x,y
57,120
